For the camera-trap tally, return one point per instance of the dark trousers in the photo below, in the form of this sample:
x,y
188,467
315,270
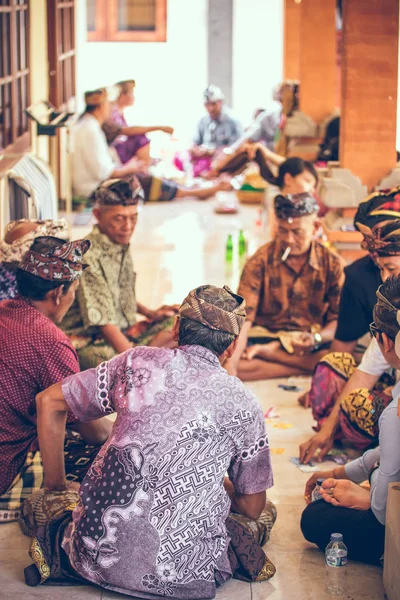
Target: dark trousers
x,y
362,533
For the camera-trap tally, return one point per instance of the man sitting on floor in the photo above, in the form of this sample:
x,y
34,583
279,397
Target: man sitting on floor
x,y
35,353
218,129
153,514
132,140
292,290
102,320
92,162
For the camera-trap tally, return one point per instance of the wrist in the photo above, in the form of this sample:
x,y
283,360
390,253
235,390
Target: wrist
x,y
317,339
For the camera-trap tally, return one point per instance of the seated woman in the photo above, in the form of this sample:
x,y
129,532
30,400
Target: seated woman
x,y
359,514
131,141
18,237
342,395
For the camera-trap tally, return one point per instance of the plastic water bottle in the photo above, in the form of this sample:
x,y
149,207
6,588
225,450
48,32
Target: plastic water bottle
x,y
229,249
335,570
316,493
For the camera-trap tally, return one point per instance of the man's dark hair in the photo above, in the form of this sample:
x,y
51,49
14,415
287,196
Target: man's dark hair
x,y
294,166
33,287
194,333
387,316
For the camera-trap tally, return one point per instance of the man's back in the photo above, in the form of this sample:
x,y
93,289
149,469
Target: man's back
x,y
34,355
152,516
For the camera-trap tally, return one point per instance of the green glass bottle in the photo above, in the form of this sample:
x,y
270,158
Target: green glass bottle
x,y
229,249
242,243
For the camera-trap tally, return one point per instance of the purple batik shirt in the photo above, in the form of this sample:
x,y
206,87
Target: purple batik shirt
x,y
151,517
126,146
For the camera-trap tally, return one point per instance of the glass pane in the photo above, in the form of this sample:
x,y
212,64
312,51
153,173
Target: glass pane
x,y
5,2
136,15
91,15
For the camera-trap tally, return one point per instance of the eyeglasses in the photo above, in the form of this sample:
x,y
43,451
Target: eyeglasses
x,y
374,331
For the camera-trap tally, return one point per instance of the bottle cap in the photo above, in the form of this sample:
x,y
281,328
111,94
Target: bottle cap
x,y
319,481
336,537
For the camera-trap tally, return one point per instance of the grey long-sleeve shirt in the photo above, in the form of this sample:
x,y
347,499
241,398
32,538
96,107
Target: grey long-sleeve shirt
x,y
388,456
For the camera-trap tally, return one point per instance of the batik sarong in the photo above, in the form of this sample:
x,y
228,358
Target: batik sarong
x,y
360,410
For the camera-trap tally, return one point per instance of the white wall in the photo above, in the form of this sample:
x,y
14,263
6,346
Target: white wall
x,y
170,77
257,53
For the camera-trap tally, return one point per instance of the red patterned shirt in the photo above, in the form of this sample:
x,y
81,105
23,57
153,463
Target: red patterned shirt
x,y
34,354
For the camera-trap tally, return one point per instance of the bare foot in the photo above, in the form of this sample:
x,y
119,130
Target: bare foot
x,y
265,351
304,400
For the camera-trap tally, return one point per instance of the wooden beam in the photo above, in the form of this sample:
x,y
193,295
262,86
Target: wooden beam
x,y
369,88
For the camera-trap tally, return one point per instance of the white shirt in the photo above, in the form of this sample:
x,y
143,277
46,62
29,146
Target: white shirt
x,y
373,362
91,159
386,454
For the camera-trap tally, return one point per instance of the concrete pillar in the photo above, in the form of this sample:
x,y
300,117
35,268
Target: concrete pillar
x,y
220,21
318,78
291,37
369,88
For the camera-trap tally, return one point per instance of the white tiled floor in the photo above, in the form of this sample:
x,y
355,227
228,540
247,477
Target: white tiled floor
x,y
177,247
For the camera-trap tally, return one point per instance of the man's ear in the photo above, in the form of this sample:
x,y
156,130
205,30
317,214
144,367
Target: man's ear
x,y
96,213
55,295
230,349
175,329
387,343
317,225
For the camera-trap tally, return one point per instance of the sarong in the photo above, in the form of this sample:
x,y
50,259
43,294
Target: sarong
x,y
359,411
93,351
46,516
78,457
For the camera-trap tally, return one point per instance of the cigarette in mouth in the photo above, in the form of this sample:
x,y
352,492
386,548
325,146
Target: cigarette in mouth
x,y
286,254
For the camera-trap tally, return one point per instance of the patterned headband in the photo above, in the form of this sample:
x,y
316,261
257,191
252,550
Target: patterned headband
x,y
62,264
382,240
114,192
212,316
293,206
383,301
15,251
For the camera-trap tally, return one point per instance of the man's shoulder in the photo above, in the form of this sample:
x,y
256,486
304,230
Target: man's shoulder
x,y
330,255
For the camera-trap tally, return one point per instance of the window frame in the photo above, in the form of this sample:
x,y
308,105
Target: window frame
x,y
62,87
106,25
19,140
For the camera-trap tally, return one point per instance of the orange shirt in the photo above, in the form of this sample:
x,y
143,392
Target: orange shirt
x,y
279,298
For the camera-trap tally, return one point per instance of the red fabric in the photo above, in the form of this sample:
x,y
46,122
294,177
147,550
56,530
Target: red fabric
x,y
34,354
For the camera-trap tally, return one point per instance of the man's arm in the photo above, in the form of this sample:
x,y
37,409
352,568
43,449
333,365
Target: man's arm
x,y
115,338
143,130
248,505
324,439
51,410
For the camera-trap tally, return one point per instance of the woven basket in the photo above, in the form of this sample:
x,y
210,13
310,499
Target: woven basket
x,y
250,197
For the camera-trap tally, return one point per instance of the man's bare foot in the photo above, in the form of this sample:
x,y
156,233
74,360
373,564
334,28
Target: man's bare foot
x,y
304,400
264,351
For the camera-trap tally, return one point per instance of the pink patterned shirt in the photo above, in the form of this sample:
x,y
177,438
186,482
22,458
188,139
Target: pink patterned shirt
x,y
151,518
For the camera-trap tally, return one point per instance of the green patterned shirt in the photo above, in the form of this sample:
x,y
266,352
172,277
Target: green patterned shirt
x,y
106,294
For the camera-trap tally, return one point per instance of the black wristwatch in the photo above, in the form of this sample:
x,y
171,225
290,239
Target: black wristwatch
x,y
317,341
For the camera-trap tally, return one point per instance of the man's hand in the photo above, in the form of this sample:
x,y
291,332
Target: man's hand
x,y
312,482
322,441
166,129
251,149
162,312
345,493
303,343
198,151
304,399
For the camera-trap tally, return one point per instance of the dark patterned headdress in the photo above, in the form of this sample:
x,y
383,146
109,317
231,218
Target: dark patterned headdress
x,y
293,206
213,316
383,205
114,192
382,306
382,241
63,263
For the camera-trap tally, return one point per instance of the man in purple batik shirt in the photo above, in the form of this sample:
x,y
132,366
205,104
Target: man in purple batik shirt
x,y
153,511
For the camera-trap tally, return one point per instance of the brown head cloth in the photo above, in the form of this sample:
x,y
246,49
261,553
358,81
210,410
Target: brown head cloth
x,y
391,329
114,192
383,205
213,316
63,263
382,241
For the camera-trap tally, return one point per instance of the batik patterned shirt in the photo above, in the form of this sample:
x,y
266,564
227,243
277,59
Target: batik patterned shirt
x,y
152,510
218,133
279,298
106,293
